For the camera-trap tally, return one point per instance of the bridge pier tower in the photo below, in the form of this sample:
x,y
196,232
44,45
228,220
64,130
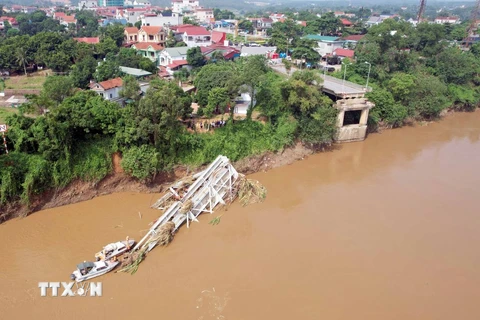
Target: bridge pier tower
x,y
352,118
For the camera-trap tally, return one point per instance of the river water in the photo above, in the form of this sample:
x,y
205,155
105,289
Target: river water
x,y
382,229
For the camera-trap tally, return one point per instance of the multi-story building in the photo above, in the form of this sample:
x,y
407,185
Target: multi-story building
x,y
130,34
169,55
179,6
326,45
193,36
110,3
151,34
261,25
204,15
87,4
162,21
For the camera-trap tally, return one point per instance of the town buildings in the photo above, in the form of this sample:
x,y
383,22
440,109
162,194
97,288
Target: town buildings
x,y
109,89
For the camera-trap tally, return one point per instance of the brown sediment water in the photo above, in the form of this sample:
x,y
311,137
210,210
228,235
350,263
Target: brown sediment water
x,y
382,229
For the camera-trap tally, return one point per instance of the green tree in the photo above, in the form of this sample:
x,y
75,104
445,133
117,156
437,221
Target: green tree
x,y
216,75
108,69
58,88
82,72
21,57
195,57
218,100
455,66
130,89
253,70
115,32
107,45
141,162
246,25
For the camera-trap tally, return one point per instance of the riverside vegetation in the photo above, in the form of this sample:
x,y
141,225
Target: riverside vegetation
x,y
415,73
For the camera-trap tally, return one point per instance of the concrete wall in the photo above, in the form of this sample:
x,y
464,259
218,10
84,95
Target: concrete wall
x,y
352,132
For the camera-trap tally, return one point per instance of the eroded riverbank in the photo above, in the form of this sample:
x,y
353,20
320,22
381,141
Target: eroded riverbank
x,y
382,229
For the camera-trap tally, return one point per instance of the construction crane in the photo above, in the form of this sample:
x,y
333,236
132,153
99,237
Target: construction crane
x,y
421,10
473,23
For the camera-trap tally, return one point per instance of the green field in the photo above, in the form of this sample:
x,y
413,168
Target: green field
x,y
33,81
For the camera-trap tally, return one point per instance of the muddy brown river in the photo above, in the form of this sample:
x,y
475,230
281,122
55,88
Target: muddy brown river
x,y
388,228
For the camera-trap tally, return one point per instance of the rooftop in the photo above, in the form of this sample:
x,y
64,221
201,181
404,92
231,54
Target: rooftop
x,y
135,72
91,40
145,45
112,83
151,29
177,51
317,37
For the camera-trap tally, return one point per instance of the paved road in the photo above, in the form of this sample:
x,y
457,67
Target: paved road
x,y
330,84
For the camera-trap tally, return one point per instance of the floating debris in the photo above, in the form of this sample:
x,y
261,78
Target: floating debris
x,y
250,191
215,221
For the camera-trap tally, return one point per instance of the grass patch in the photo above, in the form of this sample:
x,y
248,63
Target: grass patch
x,y
33,81
6,111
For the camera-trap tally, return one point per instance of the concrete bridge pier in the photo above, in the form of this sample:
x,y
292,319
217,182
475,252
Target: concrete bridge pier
x,y
352,119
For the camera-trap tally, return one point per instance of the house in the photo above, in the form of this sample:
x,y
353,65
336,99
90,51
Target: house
x,y
148,50
169,55
276,17
261,25
64,19
302,23
376,20
352,40
228,53
89,40
256,51
346,23
339,14
12,21
326,45
193,36
151,34
344,53
204,15
130,34
218,37
109,89
134,72
444,20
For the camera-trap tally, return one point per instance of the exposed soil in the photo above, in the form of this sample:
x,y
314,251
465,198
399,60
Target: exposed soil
x,y
118,181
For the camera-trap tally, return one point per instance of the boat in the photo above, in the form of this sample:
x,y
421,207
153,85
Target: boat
x,y
114,249
88,270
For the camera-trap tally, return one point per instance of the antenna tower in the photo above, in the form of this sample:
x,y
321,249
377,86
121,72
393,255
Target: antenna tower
x,y
421,10
473,19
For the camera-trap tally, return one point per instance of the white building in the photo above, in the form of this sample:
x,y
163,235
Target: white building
x,y
109,89
169,55
179,6
194,36
326,45
444,20
87,4
161,20
132,15
204,15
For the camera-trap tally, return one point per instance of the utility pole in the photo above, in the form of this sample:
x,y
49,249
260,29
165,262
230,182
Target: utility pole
x,y
421,10
3,129
368,76
473,21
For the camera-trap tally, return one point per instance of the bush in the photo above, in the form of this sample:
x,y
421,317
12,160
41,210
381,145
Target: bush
x,y
140,162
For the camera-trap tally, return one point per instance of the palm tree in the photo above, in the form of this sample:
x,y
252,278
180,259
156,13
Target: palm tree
x,y
21,56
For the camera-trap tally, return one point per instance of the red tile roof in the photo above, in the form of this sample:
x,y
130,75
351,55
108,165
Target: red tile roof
x,y
110,84
344,52
151,29
145,45
177,63
57,15
131,29
193,30
93,40
346,22
355,37
218,37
